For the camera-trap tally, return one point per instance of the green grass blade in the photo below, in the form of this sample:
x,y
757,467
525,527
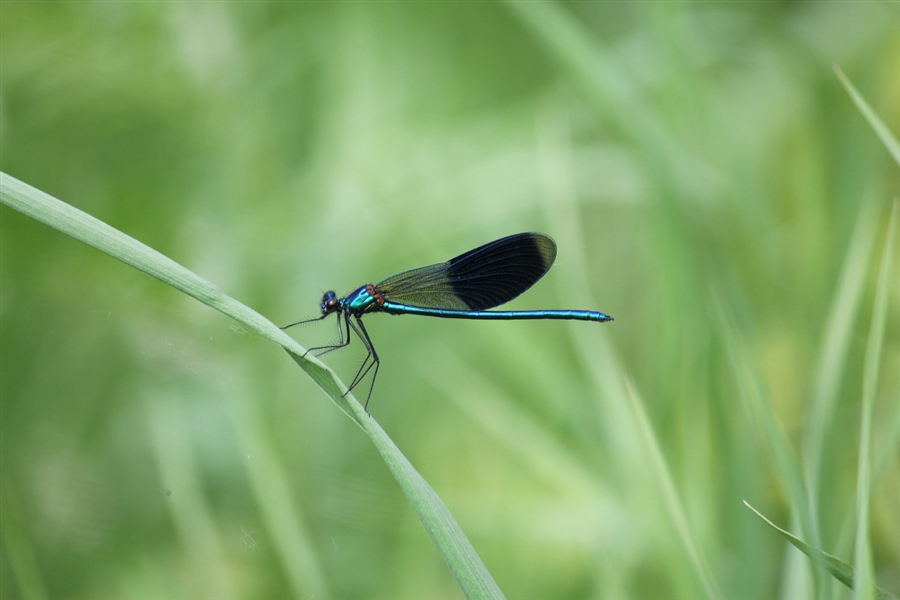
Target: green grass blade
x,y
832,356
889,448
93,232
670,495
863,551
838,568
759,406
269,483
831,362
457,552
765,418
192,515
881,130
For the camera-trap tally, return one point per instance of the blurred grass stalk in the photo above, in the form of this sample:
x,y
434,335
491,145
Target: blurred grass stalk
x,y
829,367
860,577
871,366
581,55
454,547
267,476
865,579
838,568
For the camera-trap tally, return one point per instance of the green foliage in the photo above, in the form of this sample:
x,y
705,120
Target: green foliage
x,y
706,176
465,564
838,568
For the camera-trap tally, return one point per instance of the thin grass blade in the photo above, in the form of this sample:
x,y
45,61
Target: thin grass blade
x,y
836,343
670,496
838,568
759,406
872,361
881,130
458,553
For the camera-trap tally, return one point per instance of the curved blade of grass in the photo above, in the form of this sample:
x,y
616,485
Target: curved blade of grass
x,y
759,406
269,482
832,357
881,130
459,555
192,516
582,56
890,142
838,568
863,551
671,499
93,232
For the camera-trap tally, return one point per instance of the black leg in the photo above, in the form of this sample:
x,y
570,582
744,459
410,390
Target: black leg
x,y
342,340
304,321
371,359
367,365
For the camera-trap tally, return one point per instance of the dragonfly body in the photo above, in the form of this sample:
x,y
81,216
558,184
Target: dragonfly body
x,y
368,299
464,287
496,315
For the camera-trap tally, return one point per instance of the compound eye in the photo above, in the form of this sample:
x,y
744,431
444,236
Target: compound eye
x,y
329,303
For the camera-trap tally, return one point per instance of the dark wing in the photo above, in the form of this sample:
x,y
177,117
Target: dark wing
x,y
482,278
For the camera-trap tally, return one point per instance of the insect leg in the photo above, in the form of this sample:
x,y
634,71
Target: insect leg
x,y
365,368
342,340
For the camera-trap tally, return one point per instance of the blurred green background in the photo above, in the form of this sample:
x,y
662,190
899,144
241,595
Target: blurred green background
x,y
685,156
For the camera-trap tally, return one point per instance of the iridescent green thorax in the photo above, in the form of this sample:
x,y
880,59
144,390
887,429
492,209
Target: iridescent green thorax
x,y
362,301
